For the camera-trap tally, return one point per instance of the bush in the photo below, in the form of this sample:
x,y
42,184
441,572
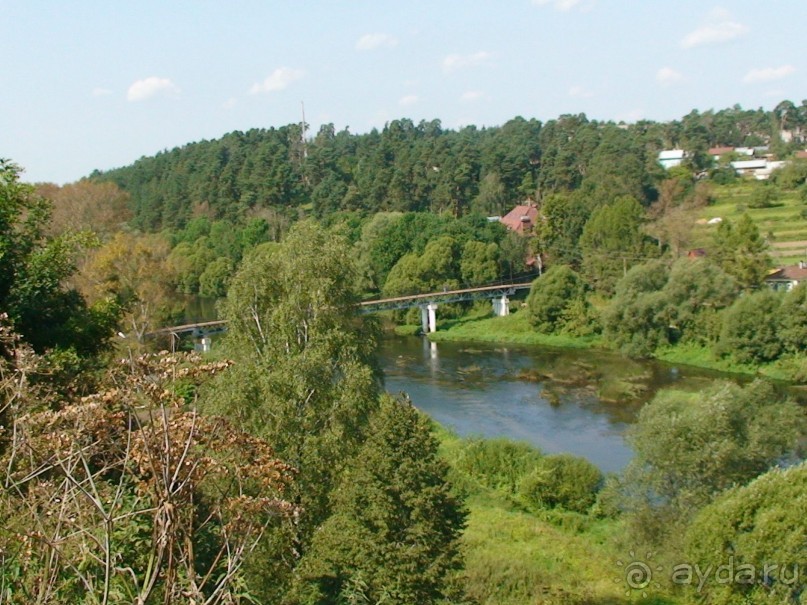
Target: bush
x,y
791,175
563,481
759,527
497,463
794,320
551,296
725,175
751,328
763,196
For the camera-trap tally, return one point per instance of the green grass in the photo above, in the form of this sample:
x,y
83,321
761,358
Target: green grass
x,y
783,222
512,329
406,330
786,369
517,557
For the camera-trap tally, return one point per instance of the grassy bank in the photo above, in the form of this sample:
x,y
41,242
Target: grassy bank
x,y
786,369
514,556
512,329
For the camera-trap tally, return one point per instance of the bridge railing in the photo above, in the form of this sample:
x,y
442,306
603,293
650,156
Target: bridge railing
x,y
491,290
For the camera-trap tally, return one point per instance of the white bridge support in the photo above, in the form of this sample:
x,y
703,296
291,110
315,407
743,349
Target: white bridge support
x,y
501,306
203,345
428,318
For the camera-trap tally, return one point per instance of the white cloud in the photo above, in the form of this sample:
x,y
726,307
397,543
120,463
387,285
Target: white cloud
x,y
472,95
101,92
720,28
230,103
408,100
374,41
457,61
149,87
277,80
579,92
768,74
667,76
560,5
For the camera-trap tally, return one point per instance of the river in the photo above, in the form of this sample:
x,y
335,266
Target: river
x,y
559,400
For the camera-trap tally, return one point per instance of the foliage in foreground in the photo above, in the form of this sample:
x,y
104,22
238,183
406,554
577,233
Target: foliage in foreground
x,y
368,480
33,268
758,531
692,447
126,494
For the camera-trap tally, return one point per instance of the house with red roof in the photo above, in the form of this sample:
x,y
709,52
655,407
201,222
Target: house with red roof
x,y
787,278
522,219
716,152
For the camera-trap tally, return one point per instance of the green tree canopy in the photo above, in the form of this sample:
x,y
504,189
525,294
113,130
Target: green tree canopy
x,y
656,305
305,377
635,319
759,532
551,296
612,242
436,269
751,328
33,272
690,447
479,263
793,324
394,534
741,251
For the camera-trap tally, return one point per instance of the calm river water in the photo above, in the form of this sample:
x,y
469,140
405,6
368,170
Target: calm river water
x,y
579,402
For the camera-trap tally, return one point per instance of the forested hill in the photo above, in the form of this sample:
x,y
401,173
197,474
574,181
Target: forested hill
x,y
408,166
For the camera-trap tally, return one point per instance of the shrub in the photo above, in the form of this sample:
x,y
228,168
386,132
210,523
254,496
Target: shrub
x,y
751,330
794,320
763,196
760,528
563,481
550,297
497,463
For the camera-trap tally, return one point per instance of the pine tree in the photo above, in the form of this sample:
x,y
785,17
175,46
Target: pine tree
x,y
394,534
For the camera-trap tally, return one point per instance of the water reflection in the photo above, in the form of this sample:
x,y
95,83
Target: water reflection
x,y
559,400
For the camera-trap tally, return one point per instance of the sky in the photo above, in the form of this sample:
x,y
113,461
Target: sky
x,y
88,85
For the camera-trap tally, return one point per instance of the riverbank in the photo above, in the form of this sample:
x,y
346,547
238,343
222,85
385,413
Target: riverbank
x,y
511,329
515,329
515,555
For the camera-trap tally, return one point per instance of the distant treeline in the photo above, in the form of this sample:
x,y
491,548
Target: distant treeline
x,y
418,167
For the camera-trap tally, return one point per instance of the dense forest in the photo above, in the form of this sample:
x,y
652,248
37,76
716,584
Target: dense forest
x,y
418,167
278,470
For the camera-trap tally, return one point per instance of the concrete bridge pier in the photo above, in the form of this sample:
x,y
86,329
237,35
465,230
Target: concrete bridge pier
x,y
501,306
428,318
203,341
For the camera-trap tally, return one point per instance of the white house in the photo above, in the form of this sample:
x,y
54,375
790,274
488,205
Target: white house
x,y
670,158
759,169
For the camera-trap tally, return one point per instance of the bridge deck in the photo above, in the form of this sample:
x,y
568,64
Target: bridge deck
x,y
447,293
377,305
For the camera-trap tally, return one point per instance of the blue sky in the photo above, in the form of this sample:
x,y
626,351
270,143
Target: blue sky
x,y
98,84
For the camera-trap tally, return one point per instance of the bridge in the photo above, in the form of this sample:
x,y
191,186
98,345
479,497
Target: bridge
x,y
428,303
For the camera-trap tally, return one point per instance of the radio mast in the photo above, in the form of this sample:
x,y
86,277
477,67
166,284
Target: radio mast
x,y
303,128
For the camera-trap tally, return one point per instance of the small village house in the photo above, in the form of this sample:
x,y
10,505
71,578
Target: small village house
x,y
787,278
522,219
